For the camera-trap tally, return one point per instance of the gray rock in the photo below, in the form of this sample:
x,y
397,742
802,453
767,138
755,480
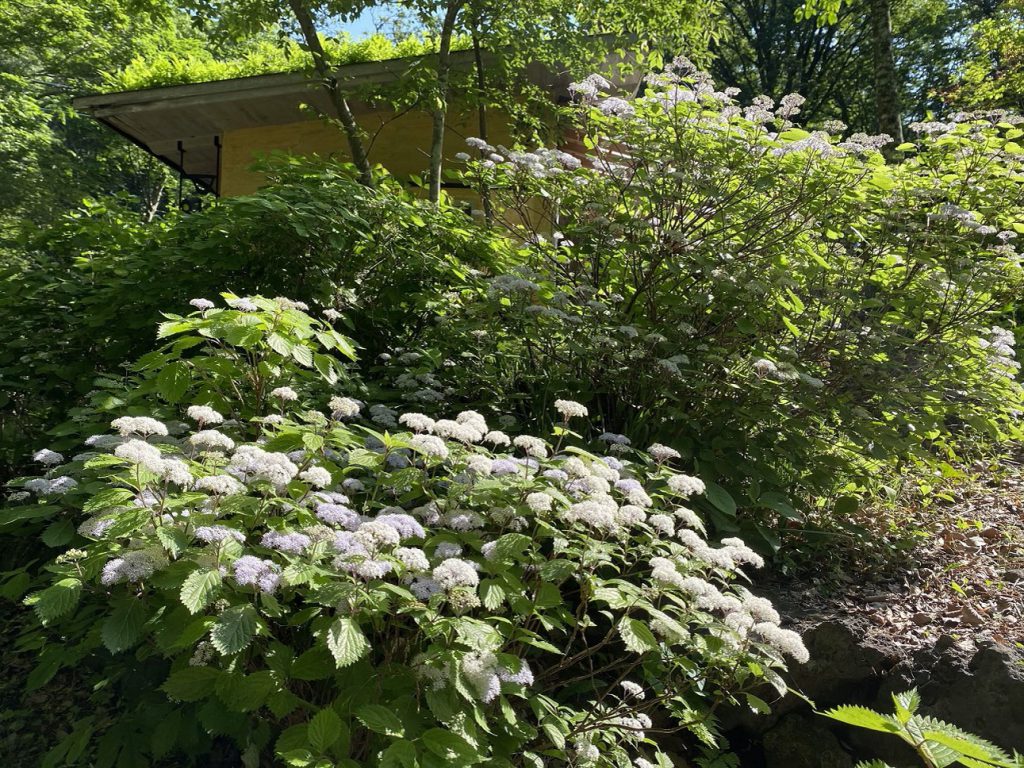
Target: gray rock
x,y
804,740
981,691
842,666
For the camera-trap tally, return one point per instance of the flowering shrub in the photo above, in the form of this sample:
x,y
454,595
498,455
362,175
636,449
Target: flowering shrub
x,y
314,234
438,594
776,303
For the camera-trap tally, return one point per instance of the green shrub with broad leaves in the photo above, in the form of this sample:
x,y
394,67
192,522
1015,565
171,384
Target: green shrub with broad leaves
x,y
802,320
246,558
788,310
98,282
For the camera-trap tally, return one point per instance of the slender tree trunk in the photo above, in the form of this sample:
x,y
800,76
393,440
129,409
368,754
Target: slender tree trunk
x,y
338,100
441,108
151,204
481,90
887,93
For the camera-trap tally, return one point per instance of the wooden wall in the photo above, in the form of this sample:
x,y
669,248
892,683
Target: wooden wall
x,y
399,142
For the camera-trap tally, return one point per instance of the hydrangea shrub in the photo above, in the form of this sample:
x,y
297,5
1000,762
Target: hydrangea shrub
x,y
775,301
320,591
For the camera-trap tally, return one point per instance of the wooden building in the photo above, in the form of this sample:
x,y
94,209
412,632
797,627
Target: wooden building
x,y
211,132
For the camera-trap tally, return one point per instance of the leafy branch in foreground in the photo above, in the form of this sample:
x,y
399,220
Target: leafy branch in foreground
x,y
937,743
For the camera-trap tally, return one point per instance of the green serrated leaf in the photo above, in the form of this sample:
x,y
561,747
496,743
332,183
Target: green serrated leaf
x,y
346,642
491,594
400,754
174,381
174,540
758,705
862,717
298,573
283,703
107,499
325,367
279,344
123,628
293,739
315,664
450,747
906,704
380,720
59,533
636,635
960,741
312,441
191,683
720,498
511,546
56,601
324,730
199,589
302,355
234,630
244,693
127,522
50,662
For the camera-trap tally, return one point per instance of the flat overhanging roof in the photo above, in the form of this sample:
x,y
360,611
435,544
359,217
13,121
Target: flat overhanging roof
x,y
182,125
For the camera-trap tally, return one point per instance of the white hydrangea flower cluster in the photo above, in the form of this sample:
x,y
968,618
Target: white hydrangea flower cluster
x,y
220,485
48,458
355,513
531,446
999,346
55,486
143,426
204,415
318,477
484,674
344,407
252,462
285,394
662,453
453,572
212,440
685,485
130,567
743,614
570,409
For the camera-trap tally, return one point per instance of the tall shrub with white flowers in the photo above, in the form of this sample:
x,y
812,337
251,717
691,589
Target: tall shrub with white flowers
x,y
775,301
440,593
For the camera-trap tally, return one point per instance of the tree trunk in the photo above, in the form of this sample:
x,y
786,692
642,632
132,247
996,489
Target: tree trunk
x,y
338,100
481,90
441,108
887,93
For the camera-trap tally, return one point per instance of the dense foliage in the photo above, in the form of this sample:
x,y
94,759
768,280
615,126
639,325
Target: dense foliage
x,y
364,525
780,305
783,307
765,47
993,73
436,594
315,234
262,56
51,157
